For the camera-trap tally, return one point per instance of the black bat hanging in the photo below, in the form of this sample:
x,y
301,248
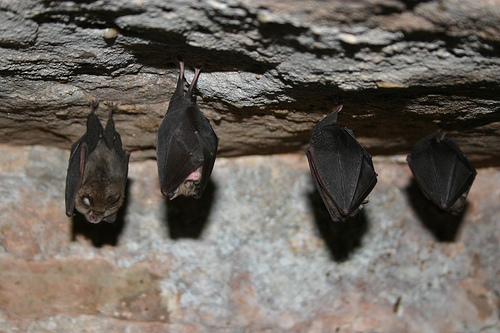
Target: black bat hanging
x,y
97,171
442,171
186,144
341,168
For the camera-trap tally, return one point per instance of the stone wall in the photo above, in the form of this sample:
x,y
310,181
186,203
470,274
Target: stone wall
x,y
258,252
271,70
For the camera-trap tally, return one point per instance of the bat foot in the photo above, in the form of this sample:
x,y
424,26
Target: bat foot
x,y
94,104
181,68
197,71
440,135
111,104
338,108
111,107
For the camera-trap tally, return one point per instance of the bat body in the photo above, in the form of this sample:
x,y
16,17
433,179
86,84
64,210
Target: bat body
x,y
341,168
442,171
186,144
97,171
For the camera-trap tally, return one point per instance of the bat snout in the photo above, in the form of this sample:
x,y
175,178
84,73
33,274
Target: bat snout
x,y
95,217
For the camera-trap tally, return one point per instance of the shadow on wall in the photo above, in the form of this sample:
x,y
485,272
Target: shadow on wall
x,y
102,233
187,217
341,238
443,225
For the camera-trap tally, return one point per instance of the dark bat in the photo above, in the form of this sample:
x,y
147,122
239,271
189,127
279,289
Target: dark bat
x,y
442,171
97,171
186,144
342,170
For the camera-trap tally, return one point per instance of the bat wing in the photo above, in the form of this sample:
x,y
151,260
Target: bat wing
x,y
184,144
208,141
342,170
80,150
186,141
114,142
321,184
441,170
179,151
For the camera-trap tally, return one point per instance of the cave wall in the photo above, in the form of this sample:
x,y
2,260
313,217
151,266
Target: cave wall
x,y
258,252
271,70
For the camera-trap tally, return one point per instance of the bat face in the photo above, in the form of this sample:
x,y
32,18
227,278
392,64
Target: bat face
x,y
442,171
186,144
341,168
103,189
97,172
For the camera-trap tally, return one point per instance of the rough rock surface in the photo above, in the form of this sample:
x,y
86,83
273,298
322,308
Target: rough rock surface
x,y
272,69
258,253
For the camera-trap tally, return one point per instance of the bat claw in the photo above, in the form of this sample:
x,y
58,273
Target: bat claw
x,y
94,104
198,66
111,107
441,134
110,104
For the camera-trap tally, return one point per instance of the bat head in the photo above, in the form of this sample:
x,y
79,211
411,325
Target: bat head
x,y
103,187
97,206
190,187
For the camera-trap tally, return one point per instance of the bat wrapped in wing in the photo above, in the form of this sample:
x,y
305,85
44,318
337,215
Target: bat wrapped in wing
x,y
442,171
341,168
97,171
186,144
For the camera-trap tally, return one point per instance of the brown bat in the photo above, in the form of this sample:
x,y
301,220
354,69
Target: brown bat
x,y
97,171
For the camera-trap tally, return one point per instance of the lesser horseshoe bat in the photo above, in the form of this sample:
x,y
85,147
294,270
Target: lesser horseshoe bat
x,y
186,144
341,168
97,171
442,171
